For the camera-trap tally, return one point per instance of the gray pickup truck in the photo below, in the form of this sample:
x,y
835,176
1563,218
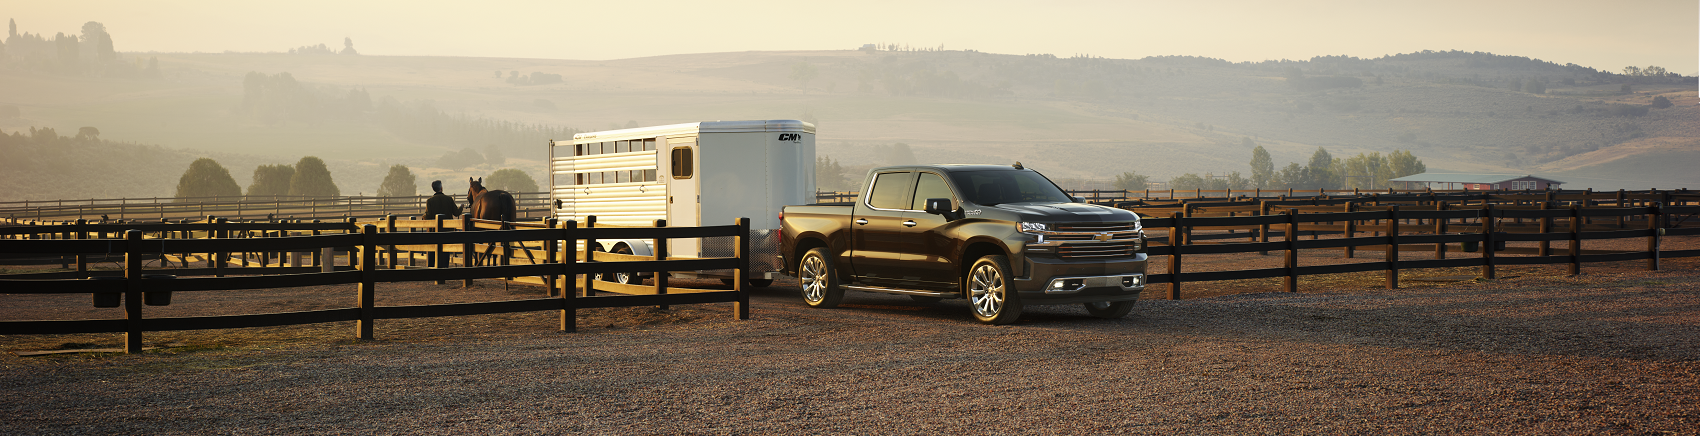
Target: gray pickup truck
x,y
1001,236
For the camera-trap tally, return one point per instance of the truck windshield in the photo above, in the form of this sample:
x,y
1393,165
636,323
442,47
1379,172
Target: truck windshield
x,y
991,188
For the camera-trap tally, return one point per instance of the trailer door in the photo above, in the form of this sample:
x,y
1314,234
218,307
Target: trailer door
x,y
680,158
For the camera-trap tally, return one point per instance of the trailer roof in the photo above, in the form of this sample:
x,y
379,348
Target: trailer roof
x,y
746,126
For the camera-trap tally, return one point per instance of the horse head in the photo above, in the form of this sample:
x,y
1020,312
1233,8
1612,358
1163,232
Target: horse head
x,y
477,187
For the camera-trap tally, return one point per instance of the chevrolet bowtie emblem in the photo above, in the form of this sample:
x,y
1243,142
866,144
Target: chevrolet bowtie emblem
x,y
1102,236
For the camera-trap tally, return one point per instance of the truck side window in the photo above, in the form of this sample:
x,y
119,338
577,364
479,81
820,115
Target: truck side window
x,y
930,186
682,163
891,190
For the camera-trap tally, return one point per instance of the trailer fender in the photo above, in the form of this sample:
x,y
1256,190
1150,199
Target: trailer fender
x,y
640,247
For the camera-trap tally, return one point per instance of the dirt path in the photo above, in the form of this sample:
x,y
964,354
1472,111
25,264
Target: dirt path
x,y
1608,352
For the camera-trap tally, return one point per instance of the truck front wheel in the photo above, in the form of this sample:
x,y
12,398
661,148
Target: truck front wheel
x,y
990,298
819,277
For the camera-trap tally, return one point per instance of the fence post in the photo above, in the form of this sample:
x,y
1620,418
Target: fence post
x,y
1655,214
82,259
569,305
1393,247
589,256
368,261
1263,230
1576,239
439,258
1440,229
551,255
389,227
741,308
1292,261
1176,229
661,255
324,258
466,249
1545,223
132,292
1487,241
1622,198
220,259
1351,230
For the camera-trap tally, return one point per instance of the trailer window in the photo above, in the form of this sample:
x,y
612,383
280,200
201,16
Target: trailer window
x,y
682,163
649,144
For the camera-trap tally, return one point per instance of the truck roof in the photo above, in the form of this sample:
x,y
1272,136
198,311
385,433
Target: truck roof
x,y
953,167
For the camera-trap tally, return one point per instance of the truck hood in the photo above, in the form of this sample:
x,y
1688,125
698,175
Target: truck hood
x,y
1065,212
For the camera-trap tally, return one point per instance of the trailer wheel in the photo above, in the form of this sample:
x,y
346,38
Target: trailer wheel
x,y
624,278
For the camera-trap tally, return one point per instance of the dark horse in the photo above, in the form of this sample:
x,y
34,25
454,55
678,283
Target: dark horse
x,y
491,205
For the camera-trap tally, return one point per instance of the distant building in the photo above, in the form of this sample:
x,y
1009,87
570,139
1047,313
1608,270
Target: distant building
x,y
1476,182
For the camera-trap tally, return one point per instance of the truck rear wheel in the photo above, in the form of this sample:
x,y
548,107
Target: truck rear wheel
x,y
1109,309
990,298
818,276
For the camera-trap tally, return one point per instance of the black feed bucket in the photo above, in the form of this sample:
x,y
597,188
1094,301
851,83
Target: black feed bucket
x,y
157,298
108,299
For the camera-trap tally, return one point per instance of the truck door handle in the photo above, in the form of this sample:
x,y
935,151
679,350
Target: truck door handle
x,y
908,223
861,221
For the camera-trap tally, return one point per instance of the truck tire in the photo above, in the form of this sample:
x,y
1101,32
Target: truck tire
x,y
991,299
1109,309
818,276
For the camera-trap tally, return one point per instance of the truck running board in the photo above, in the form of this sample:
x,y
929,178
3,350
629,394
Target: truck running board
x,y
902,291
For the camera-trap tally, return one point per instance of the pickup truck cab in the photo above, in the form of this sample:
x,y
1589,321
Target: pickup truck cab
x,y
1001,236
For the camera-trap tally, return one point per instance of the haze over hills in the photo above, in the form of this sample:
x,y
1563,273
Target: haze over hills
x,y
1081,119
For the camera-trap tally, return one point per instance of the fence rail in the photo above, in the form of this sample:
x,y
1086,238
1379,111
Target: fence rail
x,y
530,204
1120,197
556,270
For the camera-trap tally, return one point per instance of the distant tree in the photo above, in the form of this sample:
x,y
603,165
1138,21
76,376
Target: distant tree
x,y
1321,171
206,178
98,41
511,180
803,72
67,48
1262,168
493,155
1403,163
1246,141
400,182
1236,181
312,178
11,29
1516,84
1660,102
153,67
270,180
498,74
348,46
829,175
1131,181
1631,71
895,154
88,134
1292,176
1187,182
454,160
1533,86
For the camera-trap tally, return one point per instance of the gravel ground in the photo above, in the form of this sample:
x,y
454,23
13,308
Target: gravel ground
x,y
1613,351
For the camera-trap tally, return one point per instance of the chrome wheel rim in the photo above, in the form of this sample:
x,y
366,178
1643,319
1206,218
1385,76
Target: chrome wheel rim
x,y
814,279
986,291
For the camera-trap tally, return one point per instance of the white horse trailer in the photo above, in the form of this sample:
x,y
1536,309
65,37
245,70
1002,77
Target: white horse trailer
x,y
694,174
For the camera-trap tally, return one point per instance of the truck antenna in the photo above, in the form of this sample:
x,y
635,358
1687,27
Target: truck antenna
x,y
1018,165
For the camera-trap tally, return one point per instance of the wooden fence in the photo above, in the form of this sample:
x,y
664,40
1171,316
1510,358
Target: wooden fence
x,y
554,269
1486,227
243,207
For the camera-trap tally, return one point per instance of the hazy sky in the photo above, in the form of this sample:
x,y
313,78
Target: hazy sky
x,y
1605,35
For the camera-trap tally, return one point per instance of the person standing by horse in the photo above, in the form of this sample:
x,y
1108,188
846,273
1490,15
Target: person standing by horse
x,y
440,204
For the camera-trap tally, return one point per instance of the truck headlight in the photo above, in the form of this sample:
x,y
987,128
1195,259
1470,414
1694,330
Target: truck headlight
x,y
1032,227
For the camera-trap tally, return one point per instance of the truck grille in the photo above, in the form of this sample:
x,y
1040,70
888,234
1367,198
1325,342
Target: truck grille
x,y
1081,251
1088,231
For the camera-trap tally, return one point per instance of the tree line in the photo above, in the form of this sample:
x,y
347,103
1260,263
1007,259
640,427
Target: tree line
x,y
310,176
1322,171
90,52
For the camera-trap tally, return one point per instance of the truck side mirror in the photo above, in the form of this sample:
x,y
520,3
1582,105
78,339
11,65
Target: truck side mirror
x,y
939,206
1079,199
